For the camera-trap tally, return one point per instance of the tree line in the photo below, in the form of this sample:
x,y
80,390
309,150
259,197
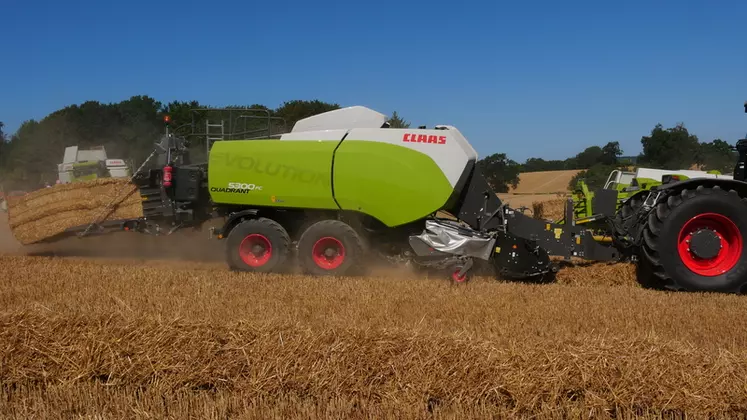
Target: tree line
x,y
671,148
129,129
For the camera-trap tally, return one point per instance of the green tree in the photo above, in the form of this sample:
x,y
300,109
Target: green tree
x,y
500,171
673,148
395,121
539,164
610,153
589,157
717,155
181,114
594,177
296,110
572,163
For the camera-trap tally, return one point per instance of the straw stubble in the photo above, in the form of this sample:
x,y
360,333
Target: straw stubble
x,y
84,338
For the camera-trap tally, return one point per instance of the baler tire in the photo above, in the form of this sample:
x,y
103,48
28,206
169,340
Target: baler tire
x,y
266,230
336,233
665,253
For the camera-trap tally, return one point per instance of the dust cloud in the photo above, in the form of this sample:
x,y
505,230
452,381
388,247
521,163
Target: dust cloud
x,y
183,245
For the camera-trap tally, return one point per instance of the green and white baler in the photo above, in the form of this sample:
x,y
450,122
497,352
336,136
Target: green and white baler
x,y
342,188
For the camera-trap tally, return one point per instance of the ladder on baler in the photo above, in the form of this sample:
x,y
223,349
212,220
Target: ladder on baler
x,y
214,132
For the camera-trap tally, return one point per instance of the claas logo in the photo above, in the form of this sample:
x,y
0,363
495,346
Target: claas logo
x,y
423,138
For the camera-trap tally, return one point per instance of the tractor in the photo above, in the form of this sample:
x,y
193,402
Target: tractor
x,y
687,234
624,184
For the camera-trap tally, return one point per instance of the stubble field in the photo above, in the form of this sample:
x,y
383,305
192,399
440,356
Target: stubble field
x,y
131,327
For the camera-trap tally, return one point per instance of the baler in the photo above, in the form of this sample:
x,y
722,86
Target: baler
x,y
343,188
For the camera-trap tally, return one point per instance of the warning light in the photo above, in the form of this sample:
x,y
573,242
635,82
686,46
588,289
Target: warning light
x,y
167,175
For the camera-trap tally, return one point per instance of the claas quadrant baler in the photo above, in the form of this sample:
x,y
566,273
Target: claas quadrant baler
x,y
342,190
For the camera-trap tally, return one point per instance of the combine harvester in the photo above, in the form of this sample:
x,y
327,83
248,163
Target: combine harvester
x,y
79,166
342,187
89,164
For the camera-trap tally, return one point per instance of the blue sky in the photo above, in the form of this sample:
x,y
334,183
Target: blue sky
x,y
532,78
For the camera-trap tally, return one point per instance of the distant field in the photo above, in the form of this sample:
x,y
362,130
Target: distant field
x,y
544,182
539,187
517,200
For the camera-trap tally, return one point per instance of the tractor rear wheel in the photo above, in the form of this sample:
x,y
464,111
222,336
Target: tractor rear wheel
x,y
330,247
693,241
259,245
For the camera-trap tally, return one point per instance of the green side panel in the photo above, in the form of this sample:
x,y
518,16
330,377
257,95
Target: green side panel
x,y
392,183
85,171
275,173
84,178
647,183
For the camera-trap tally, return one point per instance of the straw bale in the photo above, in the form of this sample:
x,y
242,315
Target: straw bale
x,y
549,210
47,212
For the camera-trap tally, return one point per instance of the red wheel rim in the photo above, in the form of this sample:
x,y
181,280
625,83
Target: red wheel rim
x,y
730,239
255,250
328,253
457,278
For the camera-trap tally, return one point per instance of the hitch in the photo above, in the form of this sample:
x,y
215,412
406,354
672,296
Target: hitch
x,y
466,267
214,232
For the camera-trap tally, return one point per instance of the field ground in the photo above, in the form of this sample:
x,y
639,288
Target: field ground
x,y
517,201
545,182
538,187
129,326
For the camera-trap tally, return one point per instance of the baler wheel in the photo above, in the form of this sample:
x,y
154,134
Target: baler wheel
x,y
330,247
694,241
260,245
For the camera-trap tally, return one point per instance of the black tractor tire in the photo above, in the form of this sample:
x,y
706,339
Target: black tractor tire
x,y
631,205
258,245
714,260
628,209
347,250
624,226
